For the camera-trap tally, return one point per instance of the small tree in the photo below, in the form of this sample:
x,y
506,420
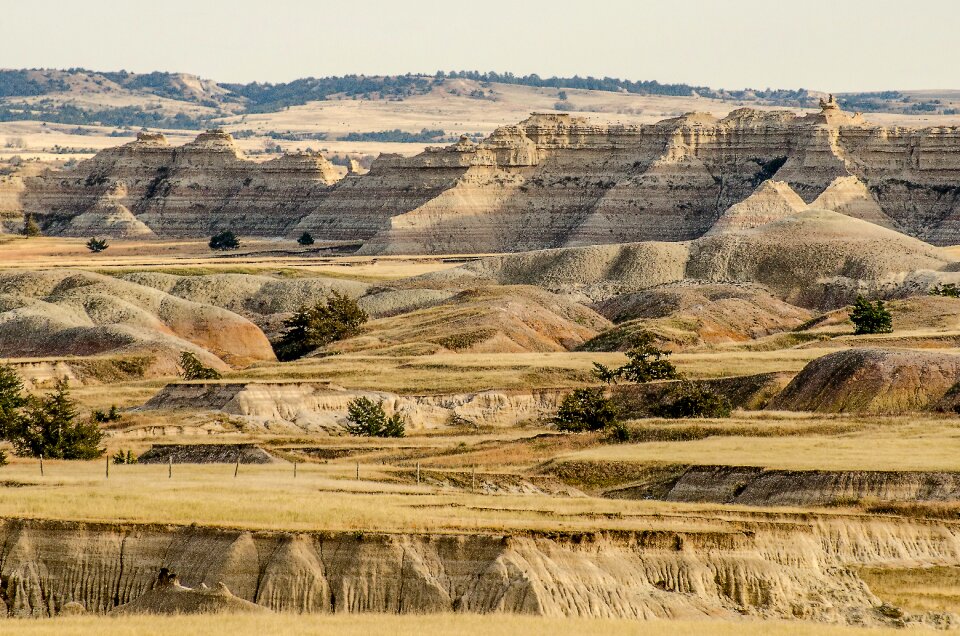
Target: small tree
x,y
96,245
30,227
225,240
49,427
124,458
645,362
310,328
192,369
367,418
305,239
585,410
870,317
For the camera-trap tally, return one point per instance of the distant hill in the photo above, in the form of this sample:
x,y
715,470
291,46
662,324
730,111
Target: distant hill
x,y
184,101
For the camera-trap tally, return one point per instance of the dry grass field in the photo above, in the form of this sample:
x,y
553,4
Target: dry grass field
x,y
429,625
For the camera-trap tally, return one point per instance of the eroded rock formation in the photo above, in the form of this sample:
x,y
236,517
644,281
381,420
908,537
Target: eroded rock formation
x,y
148,187
552,180
800,568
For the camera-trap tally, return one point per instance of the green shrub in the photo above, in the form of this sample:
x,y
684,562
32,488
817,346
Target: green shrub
x,y
96,245
225,240
949,290
305,239
310,328
367,418
121,457
113,415
192,369
49,427
585,410
870,317
690,399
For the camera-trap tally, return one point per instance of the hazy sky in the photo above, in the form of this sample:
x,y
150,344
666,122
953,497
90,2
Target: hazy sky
x,y
819,44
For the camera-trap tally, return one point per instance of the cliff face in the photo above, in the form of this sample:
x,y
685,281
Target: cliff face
x,y
799,568
147,187
551,181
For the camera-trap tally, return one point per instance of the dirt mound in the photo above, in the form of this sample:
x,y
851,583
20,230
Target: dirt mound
x,y
692,314
771,201
815,259
169,597
749,392
248,295
801,256
74,313
485,320
593,272
870,381
206,454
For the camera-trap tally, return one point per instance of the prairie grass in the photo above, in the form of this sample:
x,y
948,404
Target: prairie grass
x,y
407,625
322,497
916,589
904,443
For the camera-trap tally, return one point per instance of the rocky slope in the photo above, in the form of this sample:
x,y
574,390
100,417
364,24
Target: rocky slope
x,y
550,181
799,569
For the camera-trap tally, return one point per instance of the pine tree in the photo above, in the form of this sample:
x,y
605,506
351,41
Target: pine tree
x,y
870,318
305,239
367,418
192,369
310,328
12,399
50,428
30,227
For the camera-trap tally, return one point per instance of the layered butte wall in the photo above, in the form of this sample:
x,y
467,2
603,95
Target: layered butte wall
x,y
148,188
553,180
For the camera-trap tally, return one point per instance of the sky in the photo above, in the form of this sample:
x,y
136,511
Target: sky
x,y
829,45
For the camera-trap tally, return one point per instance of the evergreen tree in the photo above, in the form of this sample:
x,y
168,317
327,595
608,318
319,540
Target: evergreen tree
x,y
12,399
30,227
96,245
870,317
585,410
192,369
305,239
50,428
310,328
367,418
225,240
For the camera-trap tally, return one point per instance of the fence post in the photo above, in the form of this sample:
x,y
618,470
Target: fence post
x,y
358,471
41,464
418,472
108,467
170,466
294,470
236,468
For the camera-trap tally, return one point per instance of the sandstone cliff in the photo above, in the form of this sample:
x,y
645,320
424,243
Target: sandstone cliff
x,y
799,567
550,181
148,187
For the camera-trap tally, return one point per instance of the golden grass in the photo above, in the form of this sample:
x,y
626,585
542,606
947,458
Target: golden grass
x,y
916,589
323,497
428,625
904,443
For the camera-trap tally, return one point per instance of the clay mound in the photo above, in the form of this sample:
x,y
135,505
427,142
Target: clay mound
x,y
391,302
849,195
689,313
801,257
70,313
248,295
169,597
206,454
771,201
593,272
485,320
870,381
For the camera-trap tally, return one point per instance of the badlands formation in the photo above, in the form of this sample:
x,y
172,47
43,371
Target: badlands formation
x,y
553,180
829,493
